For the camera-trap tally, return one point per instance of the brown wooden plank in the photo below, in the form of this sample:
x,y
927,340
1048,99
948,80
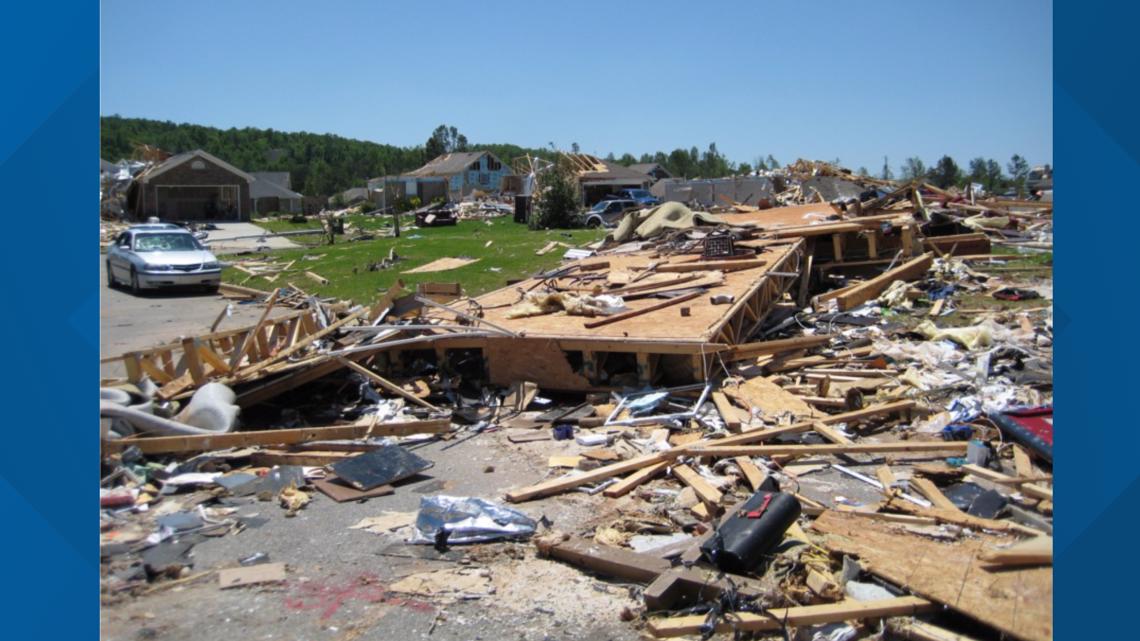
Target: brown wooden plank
x,y
958,447
778,618
624,486
864,292
201,443
561,484
753,474
644,310
705,491
611,561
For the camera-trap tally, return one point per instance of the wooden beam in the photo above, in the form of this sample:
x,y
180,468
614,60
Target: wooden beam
x,y
202,443
753,474
711,265
865,291
289,351
386,384
805,426
1026,487
778,618
958,447
929,490
1036,551
561,484
251,336
644,310
604,559
705,491
624,486
830,434
765,348
727,411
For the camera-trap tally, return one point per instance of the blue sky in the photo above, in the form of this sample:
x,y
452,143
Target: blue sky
x,y
823,80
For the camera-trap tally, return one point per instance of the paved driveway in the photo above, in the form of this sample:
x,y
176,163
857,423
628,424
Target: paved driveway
x,y
239,237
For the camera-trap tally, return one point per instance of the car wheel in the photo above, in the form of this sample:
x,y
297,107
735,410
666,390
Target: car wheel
x,y
135,289
593,223
110,277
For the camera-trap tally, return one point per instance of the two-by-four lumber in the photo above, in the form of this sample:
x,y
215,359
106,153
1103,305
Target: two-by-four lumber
x,y
765,348
251,336
829,433
561,484
929,490
386,384
712,265
776,619
604,559
644,310
864,292
704,490
754,475
205,442
624,486
958,447
727,411
1029,489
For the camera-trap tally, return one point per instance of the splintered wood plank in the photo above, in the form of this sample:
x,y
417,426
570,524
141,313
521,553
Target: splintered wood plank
x,y
1021,461
703,488
827,432
753,474
770,398
554,486
624,486
604,559
727,411
201,443
779,618
887,478
1018,602
804,450
928,489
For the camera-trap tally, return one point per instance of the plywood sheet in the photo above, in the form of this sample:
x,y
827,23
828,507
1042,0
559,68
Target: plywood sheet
x,y
1018,602
442,265
770,398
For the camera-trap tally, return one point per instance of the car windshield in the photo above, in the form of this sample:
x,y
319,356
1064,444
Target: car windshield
x,y
175,242
638,193
600,207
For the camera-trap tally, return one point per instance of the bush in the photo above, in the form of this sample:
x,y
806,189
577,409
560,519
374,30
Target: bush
x,y
557,204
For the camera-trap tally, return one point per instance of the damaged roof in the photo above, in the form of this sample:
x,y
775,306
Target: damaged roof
x,y
453,163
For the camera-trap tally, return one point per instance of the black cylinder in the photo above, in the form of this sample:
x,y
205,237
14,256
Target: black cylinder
x,y
741,543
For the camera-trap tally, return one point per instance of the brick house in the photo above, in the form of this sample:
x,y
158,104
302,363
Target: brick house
x,y
192,186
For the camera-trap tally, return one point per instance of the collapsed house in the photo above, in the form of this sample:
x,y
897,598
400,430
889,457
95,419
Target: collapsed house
x,y
721,379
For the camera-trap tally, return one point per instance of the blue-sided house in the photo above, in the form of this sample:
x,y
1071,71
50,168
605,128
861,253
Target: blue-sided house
x,y
466,171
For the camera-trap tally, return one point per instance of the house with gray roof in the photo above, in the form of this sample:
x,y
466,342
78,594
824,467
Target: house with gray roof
x,y
271,192
194,185
465,172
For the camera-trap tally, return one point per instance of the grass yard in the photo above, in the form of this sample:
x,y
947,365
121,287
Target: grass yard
x,y
345,264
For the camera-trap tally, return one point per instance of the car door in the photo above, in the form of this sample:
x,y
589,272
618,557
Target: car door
x,y
122,262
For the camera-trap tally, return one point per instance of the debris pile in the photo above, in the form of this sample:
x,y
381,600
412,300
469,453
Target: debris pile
x,y
831,416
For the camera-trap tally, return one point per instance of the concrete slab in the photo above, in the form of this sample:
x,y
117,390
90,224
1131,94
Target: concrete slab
x,y
238,237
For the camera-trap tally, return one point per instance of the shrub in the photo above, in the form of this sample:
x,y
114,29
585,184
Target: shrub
x,y
557,204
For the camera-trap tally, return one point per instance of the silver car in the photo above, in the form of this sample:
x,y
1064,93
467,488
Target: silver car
x,y
160,255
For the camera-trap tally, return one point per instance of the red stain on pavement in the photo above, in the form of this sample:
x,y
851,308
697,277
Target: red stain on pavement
x,y
327,597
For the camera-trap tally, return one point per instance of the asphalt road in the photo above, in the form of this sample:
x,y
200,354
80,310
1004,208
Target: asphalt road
x,y
128,322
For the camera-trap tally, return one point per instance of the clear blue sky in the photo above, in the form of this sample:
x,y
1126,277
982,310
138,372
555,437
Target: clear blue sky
x,y
848,80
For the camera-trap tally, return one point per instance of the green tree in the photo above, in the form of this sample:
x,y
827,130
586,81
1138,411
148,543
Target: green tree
x,y
744,169
863,172
574,147
772,162
913,169
1018,171
444,140
627,160
556,206
946,173
995,180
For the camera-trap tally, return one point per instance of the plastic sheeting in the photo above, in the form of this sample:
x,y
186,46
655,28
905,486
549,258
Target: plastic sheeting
x,y
468,520
648,223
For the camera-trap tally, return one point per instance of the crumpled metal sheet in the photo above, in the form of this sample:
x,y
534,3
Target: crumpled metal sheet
x,y
468,520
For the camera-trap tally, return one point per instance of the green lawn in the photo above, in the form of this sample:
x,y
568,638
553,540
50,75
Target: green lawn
x,y
345,263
